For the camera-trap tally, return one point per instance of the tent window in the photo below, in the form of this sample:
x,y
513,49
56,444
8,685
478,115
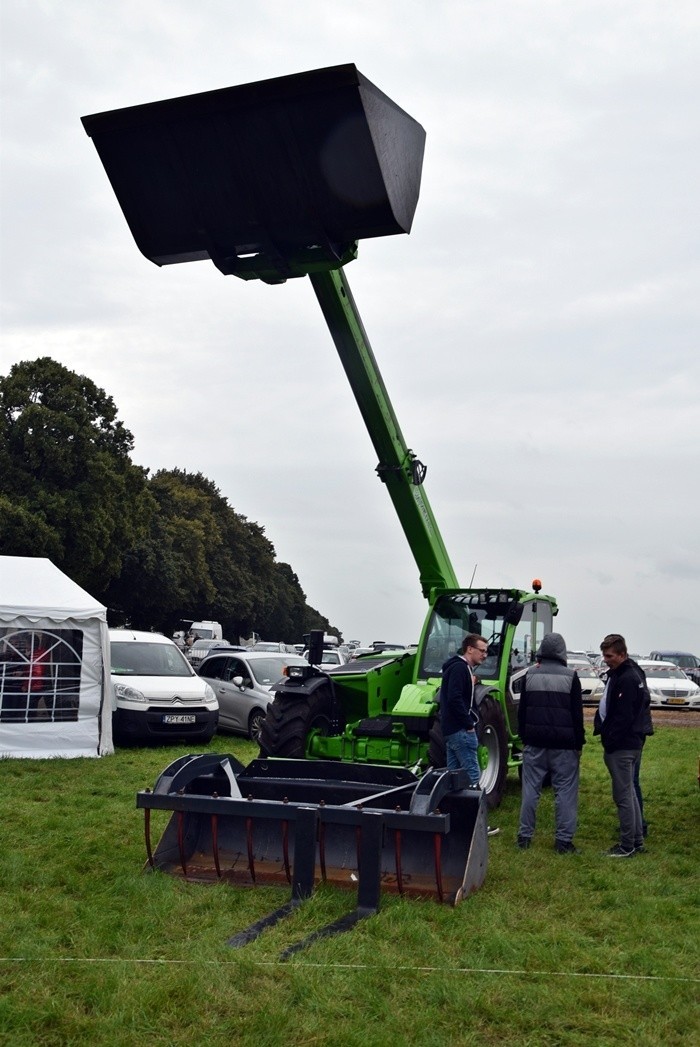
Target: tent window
x,y
40,675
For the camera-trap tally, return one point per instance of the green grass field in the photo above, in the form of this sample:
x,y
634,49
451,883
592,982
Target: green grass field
x,y
552,950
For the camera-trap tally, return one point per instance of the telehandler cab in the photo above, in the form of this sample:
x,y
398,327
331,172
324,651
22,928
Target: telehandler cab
x,y
271,181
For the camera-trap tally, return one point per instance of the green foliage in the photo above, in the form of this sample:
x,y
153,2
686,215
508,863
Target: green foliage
x,y
156,550
553,950
203,560
68,487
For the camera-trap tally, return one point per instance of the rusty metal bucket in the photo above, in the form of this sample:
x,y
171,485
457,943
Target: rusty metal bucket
x,y
299,822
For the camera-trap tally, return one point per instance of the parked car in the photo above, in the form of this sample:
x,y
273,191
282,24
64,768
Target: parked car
x,y
273,647
242,682
689,663
201,648
330,658
157,694
669,686
592,686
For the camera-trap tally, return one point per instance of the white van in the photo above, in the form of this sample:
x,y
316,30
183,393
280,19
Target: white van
x,y
157,694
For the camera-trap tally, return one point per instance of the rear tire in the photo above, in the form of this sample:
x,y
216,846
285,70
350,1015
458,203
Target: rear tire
x,y
291,718
491,732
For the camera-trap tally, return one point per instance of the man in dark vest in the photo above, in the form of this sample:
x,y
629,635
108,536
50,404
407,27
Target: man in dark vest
x,y
550,720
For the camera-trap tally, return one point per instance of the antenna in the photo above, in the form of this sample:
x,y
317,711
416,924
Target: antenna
x,y
471,580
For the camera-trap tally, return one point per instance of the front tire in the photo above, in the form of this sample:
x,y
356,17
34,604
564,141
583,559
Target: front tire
x,y
291,718
255,723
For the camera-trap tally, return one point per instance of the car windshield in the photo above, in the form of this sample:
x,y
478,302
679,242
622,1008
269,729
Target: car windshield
x,y
686,661
585,672
147,659
664,672
269,670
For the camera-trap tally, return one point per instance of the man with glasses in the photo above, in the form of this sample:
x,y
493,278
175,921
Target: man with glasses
x,y
458,712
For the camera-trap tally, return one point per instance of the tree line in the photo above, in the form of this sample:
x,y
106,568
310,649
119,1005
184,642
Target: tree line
x,y
156,550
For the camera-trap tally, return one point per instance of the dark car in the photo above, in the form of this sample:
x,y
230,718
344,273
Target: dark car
x,y
689,663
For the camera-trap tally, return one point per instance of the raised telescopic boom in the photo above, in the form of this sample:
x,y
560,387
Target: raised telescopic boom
x,y
398,466
280,179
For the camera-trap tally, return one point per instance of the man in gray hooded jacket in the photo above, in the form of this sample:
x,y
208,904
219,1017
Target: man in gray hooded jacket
x,y
550,720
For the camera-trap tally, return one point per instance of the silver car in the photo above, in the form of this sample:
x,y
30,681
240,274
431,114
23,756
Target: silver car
x,y
242,683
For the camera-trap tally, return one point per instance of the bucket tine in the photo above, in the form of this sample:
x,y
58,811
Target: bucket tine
x,y
215,842
147,832
181,841
437,846
322,850
285,850
368,889
302,881
397,857
249,841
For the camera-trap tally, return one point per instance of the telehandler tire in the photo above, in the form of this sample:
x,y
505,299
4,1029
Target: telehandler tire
x,y
491,732
290,719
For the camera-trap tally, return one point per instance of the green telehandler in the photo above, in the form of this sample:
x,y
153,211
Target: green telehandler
x,y
271,181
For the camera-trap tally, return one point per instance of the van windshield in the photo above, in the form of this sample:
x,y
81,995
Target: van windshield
x,y
148,659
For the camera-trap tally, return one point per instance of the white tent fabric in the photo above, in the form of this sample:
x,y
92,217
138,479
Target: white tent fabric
x,y
55,687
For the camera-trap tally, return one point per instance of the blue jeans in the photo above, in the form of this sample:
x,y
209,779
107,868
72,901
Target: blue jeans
x,y
563,765
461,752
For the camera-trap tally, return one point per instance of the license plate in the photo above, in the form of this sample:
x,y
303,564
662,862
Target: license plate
x,y
179,718
675,701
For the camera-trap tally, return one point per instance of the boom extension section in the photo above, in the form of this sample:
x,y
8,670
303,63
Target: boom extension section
x,y
398,466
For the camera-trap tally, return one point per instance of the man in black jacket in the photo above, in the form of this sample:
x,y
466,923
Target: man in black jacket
x,y
550,720
622,720
458,713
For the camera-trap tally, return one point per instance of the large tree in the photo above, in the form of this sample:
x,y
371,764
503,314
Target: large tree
x,y
203,560
68,487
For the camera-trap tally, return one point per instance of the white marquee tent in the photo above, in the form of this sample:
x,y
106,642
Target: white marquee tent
x,y
55,689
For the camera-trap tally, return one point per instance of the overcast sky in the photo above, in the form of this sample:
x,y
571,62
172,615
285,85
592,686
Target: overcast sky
x,y
537,331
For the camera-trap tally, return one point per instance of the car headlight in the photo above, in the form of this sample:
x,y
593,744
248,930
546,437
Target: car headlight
x,y
129,694
209,695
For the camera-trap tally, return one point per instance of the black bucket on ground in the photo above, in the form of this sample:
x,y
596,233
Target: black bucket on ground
x,y
302,822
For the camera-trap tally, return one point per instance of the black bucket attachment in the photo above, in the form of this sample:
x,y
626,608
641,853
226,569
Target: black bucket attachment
x,y
271,179
300,822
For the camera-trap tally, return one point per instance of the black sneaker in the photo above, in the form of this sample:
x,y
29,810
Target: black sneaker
x,y
639,848
523,842
620,852
565,848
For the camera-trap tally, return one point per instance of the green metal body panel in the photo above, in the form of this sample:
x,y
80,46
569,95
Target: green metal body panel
x,y
406,696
